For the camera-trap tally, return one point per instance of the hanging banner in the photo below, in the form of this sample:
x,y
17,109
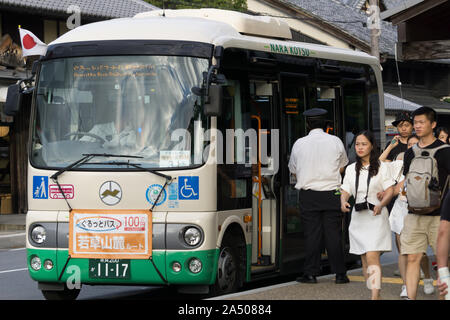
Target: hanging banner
x,y
112,234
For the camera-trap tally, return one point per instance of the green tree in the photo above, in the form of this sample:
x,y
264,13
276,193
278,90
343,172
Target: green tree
x,y
236,5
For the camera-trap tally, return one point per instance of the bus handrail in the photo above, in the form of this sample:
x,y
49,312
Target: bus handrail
x,y
259,180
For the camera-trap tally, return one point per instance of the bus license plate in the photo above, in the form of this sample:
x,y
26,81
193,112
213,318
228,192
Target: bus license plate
x,y
109,269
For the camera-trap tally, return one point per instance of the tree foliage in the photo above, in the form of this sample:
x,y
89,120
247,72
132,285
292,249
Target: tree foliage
x,y
236,5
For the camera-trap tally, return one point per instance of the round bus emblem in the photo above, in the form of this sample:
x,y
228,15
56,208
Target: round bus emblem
x,y
110,193
152,194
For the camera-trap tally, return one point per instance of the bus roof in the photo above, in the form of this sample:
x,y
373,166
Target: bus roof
x,y
214,26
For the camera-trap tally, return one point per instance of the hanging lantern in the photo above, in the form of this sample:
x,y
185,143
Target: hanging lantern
x,y
4,130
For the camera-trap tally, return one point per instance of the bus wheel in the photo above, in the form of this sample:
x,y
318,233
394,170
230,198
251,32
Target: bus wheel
x,y
66,294
228,267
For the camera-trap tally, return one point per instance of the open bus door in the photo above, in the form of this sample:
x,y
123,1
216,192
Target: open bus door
x,y
293,97
299,93
263,101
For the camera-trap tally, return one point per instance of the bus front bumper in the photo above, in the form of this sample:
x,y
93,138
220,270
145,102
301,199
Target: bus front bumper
x,y
166,267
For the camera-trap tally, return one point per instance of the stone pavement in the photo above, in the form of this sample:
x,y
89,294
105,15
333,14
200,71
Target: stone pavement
x,y
326,289
12,231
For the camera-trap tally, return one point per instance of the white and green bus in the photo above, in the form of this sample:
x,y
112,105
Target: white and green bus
x,y
159,147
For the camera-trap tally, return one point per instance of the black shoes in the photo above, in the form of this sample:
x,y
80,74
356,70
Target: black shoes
x,y
341,278
307,279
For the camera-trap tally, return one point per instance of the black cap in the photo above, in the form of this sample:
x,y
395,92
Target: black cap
x,y
402,116
315,112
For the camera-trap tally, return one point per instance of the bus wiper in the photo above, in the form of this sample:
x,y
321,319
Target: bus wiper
x,y
165,176
86,157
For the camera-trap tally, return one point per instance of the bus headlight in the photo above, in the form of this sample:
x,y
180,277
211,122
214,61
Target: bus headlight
x,y
192,236
176,267
48,264
38,234
35,263
195,265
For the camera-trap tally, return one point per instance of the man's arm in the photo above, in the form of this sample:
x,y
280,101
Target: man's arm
x,y
292,160
387,197
345,206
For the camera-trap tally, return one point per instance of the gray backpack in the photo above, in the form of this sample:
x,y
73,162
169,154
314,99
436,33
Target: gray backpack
x,y
422,189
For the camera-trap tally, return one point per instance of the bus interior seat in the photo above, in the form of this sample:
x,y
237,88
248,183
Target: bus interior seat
x,y
56,121
86,116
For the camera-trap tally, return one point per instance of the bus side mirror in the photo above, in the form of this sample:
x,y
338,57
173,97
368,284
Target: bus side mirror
x,y
213,104
13,100
35,67
17,98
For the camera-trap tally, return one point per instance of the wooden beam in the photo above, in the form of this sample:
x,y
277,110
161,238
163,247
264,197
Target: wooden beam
x,y
415,11
298,13
424,50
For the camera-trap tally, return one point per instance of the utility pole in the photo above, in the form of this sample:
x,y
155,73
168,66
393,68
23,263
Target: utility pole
x,y
375,28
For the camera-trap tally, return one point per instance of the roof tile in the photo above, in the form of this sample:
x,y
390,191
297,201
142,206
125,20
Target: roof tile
x,y
96,8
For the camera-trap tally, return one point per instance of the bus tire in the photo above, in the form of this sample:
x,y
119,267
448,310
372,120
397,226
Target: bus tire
x,y
66,294
229,266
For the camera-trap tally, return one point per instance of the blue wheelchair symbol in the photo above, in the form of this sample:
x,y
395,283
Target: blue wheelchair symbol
x,y
188,188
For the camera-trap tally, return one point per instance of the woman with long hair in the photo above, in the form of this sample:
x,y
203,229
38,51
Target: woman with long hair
x,y
369,230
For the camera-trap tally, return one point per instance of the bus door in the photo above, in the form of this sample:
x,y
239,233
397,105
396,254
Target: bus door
x,y
356,113
262,98
299,93
293,102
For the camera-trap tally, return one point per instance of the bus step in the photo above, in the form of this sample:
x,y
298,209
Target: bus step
x,y
264,261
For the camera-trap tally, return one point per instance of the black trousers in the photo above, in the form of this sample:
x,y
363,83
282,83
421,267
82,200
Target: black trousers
x,y
322,221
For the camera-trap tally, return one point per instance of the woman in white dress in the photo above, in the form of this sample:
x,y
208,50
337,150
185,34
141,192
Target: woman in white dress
x,y
369,230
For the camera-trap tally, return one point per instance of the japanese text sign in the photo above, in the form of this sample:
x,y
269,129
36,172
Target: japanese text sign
x,y
113,234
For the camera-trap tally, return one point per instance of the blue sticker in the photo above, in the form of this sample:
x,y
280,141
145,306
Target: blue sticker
x,y
188,188
152,194
173,191
40,187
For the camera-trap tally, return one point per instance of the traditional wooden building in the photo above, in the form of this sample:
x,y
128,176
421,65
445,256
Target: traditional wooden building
x,y
423,46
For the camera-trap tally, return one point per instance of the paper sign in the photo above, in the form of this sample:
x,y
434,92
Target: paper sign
x,y
112,234
174,158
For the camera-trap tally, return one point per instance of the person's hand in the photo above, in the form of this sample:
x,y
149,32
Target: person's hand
x,y
377,210
442,286
345,207
394,141
380,195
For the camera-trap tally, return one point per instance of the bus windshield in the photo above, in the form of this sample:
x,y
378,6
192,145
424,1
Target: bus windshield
x,y
130,105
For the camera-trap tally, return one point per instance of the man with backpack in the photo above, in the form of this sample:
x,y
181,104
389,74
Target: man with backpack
x,y
426,168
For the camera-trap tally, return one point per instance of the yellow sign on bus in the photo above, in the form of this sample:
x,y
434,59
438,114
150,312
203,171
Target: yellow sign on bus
x,y
112,234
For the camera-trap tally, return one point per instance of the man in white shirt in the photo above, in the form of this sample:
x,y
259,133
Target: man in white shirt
x,y
317,161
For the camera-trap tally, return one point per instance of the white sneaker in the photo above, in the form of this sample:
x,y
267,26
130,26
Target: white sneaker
x,y
404,294
428,287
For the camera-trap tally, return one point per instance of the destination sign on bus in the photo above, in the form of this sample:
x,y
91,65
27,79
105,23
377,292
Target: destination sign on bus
x,y
91,71
112,234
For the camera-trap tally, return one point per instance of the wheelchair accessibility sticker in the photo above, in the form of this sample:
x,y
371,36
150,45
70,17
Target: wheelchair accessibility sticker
x,y
152,194
188,188
40,187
